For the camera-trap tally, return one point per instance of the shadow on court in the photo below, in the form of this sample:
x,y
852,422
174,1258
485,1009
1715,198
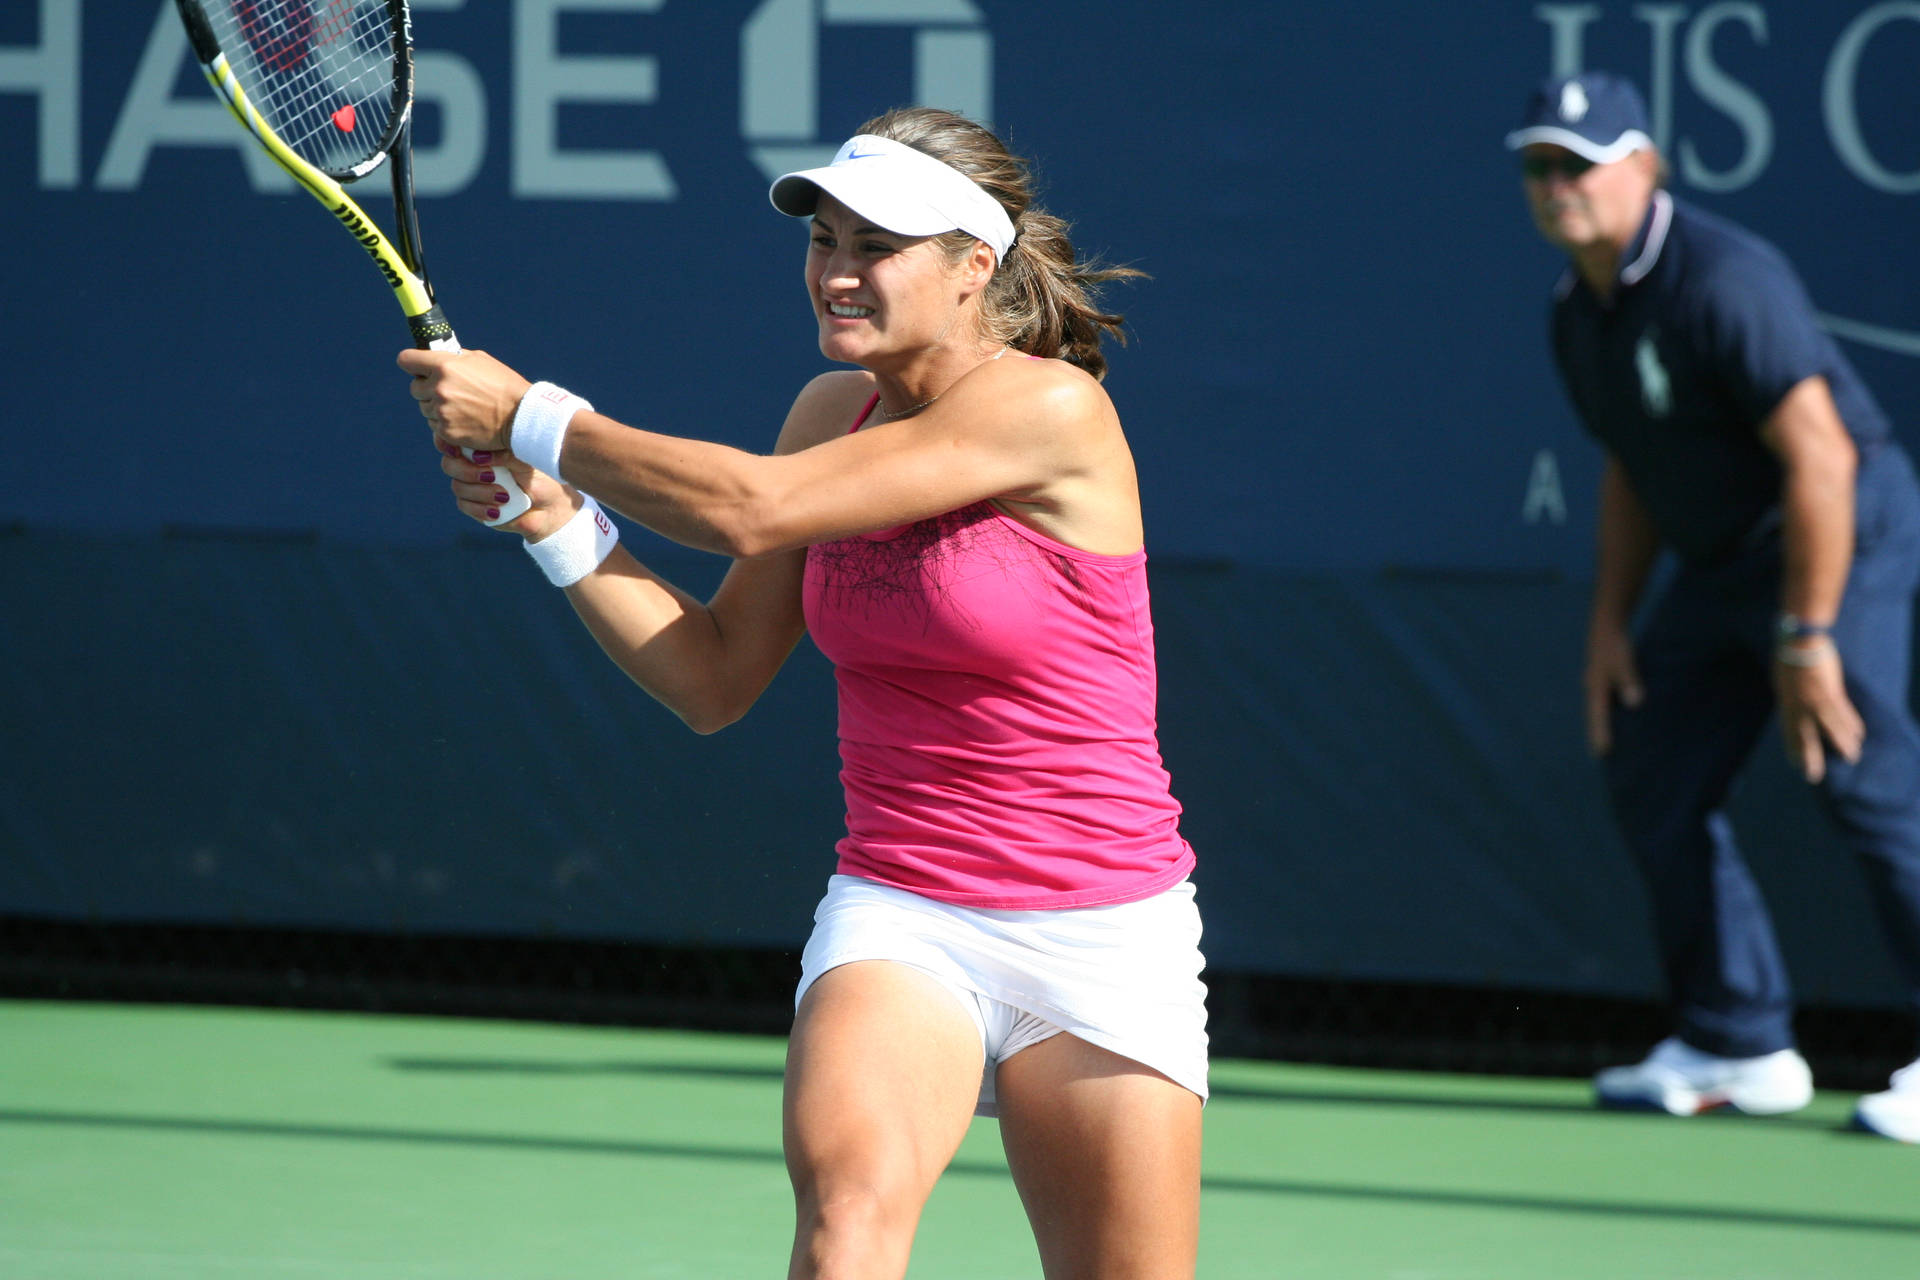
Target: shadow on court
x,y
604,1067
1413,1098
721,1071
1293,1188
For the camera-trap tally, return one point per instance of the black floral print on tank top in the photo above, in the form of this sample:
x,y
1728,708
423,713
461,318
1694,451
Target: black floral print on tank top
x,y
893,568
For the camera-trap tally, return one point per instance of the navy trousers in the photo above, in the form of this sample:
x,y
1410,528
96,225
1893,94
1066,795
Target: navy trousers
x,y
1705,657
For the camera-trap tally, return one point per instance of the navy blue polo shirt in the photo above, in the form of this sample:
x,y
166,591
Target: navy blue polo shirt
x,y
1708,328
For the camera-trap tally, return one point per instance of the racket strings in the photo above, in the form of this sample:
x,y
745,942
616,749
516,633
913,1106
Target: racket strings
x,y
320,72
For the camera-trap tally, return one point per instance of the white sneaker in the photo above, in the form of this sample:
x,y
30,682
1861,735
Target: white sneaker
x,y
1895,1113
1683,1081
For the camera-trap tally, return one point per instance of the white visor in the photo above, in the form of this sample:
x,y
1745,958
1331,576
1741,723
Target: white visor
x,y
903,190
1625,145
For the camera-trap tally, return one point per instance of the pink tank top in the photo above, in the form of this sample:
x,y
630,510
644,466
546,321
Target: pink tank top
x,y
997,699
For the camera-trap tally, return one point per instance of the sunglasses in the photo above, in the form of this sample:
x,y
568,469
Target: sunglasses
x,y
1566,164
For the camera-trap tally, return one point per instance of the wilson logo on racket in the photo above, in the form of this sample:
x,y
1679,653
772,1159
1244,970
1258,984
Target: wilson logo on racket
x,y
369,238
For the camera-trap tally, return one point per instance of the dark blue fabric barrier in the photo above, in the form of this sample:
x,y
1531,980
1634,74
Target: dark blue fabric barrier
x,y
1383,775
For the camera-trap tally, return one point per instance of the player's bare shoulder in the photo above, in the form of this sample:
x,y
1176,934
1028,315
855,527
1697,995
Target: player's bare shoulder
x,y
825,409
1046,401
1036,375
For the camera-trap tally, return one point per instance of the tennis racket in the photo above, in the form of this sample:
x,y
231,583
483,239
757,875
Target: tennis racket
x,y
326,87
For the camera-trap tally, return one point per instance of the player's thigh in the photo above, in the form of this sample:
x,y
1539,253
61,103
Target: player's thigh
x,y
1106,1155
883,1070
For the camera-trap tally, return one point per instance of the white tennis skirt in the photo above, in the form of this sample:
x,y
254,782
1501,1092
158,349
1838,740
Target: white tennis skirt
x,y
1125,977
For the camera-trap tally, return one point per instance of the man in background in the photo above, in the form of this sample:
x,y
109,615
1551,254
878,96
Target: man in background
x,y
1739,438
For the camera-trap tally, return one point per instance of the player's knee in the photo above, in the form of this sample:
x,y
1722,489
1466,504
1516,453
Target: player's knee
x,y
854,1222
853,1206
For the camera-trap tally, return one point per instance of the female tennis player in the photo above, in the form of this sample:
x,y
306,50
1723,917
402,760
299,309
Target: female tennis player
x,y
1011,930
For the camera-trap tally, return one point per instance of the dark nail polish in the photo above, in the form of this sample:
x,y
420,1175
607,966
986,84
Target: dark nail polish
x,y
493,513
499,495
483,457
486,477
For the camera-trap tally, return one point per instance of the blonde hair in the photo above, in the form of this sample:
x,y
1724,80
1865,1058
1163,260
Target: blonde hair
x,y
1043,298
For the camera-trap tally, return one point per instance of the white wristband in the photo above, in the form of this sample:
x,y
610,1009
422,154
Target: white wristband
x,y
577,547
540,424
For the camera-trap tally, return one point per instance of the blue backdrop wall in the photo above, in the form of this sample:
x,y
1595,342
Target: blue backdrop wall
x,y
258,669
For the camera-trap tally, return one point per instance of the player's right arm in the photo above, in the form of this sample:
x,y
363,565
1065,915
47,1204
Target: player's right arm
x,y
1628,544
706,662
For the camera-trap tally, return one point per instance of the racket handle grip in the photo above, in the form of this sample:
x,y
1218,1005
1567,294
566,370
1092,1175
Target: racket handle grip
x,y
432,332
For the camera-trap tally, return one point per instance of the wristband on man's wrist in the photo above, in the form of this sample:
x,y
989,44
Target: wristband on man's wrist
x,y
1799,643
540,425
577,547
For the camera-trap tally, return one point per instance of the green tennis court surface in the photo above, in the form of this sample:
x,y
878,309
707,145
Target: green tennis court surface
x,y
151,1142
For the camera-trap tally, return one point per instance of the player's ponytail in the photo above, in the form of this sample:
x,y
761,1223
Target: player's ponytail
x,y
1043,298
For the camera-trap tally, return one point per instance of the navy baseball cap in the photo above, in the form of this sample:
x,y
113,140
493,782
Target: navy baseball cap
x,y
1594,114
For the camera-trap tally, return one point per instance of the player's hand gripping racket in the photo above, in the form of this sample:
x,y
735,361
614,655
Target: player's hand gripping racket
x,y
326,86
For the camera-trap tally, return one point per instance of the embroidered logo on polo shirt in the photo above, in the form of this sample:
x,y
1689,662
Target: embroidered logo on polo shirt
x,y
1656,388
1573,102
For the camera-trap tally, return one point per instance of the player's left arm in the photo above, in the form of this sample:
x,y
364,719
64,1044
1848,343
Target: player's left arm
x,y
1037,433
1817,460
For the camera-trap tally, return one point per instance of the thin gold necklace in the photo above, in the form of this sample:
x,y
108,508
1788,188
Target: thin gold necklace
x,y
889,415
